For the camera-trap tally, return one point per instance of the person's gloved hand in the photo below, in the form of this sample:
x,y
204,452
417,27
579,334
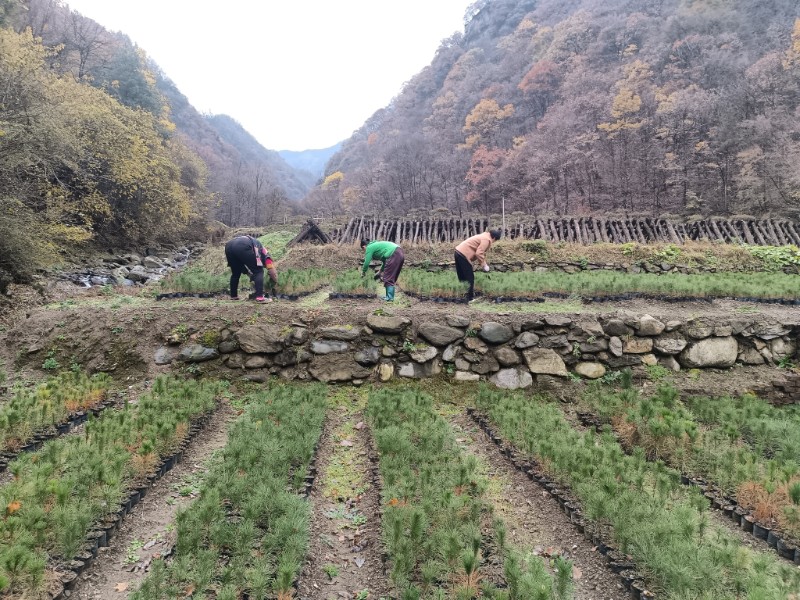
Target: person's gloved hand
x,y
486,268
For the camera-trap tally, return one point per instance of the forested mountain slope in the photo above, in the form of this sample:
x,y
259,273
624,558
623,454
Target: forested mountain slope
x,y
590,106
249,181
97,145
292,183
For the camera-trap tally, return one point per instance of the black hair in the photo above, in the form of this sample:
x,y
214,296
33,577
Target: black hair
x,y
495,233
364,242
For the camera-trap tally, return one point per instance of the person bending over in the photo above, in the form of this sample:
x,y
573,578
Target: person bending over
x,y
246,255
470,249
392,258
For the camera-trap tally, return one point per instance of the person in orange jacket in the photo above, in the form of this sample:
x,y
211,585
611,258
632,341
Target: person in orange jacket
x,y
245,254
470,249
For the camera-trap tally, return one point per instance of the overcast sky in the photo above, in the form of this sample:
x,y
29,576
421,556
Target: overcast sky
x,y
297,74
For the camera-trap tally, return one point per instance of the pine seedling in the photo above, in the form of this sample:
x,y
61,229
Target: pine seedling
x,y
397,530
15,561
469,562
417,527
258,578
452,548
411,593
626,379
283,582
228,592
513,574
794,493
430,573
500,536
476,542
563,582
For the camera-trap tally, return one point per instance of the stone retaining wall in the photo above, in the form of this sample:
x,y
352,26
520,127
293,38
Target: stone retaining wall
x,y
509,354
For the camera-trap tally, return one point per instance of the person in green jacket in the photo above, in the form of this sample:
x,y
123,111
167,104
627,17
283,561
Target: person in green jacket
x,y
392,259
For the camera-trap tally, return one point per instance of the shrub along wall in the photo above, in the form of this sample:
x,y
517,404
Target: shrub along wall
x,y
510,355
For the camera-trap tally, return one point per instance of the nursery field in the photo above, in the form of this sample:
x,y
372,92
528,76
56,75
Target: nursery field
x,y
529,272
158,481
591,286
587,286
418,490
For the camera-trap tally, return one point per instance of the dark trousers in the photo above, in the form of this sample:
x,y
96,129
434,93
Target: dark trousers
x,y
465,273
393,266
241,260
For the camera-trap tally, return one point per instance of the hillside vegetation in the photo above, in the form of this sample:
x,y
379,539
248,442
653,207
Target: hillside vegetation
x,y
75,163
98,146
571,107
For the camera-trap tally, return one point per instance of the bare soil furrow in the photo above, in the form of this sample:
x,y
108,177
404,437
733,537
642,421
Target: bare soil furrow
x,y
344,558
148,531
535,521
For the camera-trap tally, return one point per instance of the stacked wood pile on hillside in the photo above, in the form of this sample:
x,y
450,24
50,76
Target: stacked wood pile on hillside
x,y
580,230
310,234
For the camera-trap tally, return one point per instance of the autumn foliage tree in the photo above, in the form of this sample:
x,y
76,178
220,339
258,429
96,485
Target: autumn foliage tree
x,y
250,184
484,122
483,177
76,164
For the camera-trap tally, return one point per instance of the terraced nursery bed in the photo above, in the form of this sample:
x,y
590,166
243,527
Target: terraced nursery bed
x,y
391,491
198,283
67,499
741,452
607,286
658,530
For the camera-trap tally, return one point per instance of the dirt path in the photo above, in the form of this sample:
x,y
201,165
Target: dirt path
x,y
344,558
148,532
535,521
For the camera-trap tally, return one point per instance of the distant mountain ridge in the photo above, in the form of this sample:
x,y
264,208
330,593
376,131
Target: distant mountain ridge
x,y
311,161
294,183
249,180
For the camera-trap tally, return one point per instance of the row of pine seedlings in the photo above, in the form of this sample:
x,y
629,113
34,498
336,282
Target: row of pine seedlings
x,y
518,285
600,285
32,415
351,283
291,282
246,536
637,504
77,488
743,450
439,532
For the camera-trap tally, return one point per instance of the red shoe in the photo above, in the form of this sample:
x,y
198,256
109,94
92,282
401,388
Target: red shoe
x,y
261,299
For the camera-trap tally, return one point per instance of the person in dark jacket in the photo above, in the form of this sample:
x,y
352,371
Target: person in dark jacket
x,y
392,258
470,249
246,255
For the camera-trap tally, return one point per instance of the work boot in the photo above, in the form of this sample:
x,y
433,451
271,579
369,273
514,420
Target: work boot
x,y
389,293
